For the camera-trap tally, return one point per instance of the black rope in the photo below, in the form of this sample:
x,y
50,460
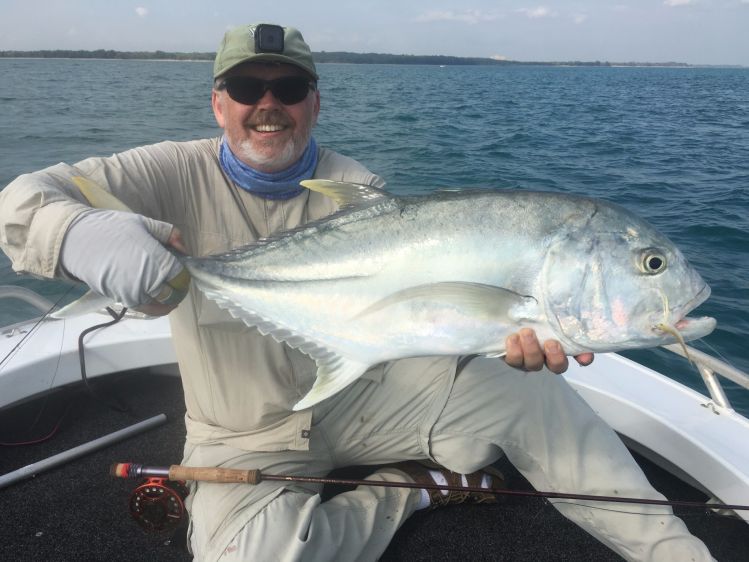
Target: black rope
x,y
116,317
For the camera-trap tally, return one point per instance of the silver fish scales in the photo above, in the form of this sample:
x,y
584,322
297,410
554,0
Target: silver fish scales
x,y
453,274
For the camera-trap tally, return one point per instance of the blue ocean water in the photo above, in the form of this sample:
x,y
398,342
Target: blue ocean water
x,y
672,144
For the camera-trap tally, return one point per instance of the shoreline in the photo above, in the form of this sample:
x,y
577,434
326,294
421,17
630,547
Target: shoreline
x,y
343,58
441,65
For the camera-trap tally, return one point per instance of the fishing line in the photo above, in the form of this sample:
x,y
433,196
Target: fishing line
x,y
718,353
43,407
708,511
36,325
38,440
82,361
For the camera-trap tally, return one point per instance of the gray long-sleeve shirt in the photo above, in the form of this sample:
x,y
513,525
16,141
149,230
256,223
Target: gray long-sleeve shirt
x,y
239,386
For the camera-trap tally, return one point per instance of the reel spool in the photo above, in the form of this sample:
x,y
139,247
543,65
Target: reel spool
x,y
158,504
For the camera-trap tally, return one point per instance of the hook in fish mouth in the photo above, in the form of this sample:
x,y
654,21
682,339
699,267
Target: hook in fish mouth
x,y
685,328
688,328
666,327
673,330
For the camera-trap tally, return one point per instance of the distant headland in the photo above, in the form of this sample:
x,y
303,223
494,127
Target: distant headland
x,y
324,57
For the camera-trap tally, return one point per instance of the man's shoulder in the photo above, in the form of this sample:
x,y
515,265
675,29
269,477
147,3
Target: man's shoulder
x,y
163,159
208,146
335,166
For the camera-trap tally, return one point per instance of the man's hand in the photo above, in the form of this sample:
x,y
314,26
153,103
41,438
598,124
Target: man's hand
x,y
122,255
173,290
525,352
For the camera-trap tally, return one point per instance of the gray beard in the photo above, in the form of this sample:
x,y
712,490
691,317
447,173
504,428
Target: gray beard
x,y
259,159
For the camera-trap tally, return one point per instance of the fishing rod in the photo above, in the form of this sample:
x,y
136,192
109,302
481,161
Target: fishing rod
x,y
179,473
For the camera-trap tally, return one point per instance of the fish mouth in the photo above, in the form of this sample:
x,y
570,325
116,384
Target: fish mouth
x,y
690,328
695,328
701,296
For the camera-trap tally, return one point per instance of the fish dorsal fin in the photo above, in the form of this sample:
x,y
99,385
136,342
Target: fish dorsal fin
x,y
97,196
347,194
473,298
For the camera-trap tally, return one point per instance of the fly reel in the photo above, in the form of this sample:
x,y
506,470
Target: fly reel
x,y
158,504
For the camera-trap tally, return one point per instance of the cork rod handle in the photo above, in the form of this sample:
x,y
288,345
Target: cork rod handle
x,y
210,474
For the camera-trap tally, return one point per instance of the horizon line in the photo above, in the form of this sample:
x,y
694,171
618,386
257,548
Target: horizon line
x,y
450,59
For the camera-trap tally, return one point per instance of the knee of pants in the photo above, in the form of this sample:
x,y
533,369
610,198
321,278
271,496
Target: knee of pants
x,y
464,454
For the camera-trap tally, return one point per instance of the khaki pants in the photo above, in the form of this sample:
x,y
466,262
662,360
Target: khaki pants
x,y
421,410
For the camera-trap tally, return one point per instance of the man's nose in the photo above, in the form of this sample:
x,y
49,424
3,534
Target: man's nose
x,y
268,99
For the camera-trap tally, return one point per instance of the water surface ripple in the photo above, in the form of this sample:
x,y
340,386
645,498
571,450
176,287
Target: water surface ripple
x,y
672,144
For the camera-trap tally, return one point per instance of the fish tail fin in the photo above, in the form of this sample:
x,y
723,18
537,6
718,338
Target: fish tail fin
x,y
89,302
97,196
332,377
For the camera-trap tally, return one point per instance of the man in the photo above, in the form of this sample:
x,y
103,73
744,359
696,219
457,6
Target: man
x,y
211,195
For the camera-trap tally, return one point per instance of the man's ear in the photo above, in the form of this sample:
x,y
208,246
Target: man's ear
x,y
218,111
317,104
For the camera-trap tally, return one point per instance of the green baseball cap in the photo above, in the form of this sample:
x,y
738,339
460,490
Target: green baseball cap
x,y
263,43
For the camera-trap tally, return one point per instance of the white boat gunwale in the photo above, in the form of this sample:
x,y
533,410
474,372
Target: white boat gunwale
x,y
690,434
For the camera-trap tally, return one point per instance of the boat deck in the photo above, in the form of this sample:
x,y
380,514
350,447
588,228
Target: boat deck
x,y
78,512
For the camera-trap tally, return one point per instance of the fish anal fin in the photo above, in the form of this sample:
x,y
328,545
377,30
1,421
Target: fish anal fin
x,y
333,376
334,371
347,194
472,298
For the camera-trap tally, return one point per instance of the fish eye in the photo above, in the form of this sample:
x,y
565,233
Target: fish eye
x,y
653,263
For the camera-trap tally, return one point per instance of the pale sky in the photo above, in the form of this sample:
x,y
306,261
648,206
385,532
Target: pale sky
x,y
691,31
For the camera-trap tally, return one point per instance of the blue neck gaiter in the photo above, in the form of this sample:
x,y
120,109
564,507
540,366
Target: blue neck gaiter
x,y
275,185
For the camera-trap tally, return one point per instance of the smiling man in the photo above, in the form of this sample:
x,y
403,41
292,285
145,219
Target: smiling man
x,y
261,132
212,195
266,141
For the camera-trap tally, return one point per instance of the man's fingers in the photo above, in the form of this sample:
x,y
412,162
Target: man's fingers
x,y
584,359
175,288
175,241
533,355
556,360
514,351
523,351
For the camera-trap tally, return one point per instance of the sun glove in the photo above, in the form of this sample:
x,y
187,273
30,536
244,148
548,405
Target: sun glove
x,y
122,256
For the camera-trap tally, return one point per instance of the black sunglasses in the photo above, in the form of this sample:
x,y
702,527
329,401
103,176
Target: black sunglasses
x,y
248,90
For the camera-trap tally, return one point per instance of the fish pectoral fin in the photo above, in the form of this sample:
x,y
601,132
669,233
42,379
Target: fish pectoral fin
x,y
332,376
347,194
97,196
472,298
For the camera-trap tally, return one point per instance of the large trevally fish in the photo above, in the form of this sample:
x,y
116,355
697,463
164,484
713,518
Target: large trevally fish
x,y
454,273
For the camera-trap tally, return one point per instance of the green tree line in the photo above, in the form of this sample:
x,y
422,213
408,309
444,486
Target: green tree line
x,y
321,57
